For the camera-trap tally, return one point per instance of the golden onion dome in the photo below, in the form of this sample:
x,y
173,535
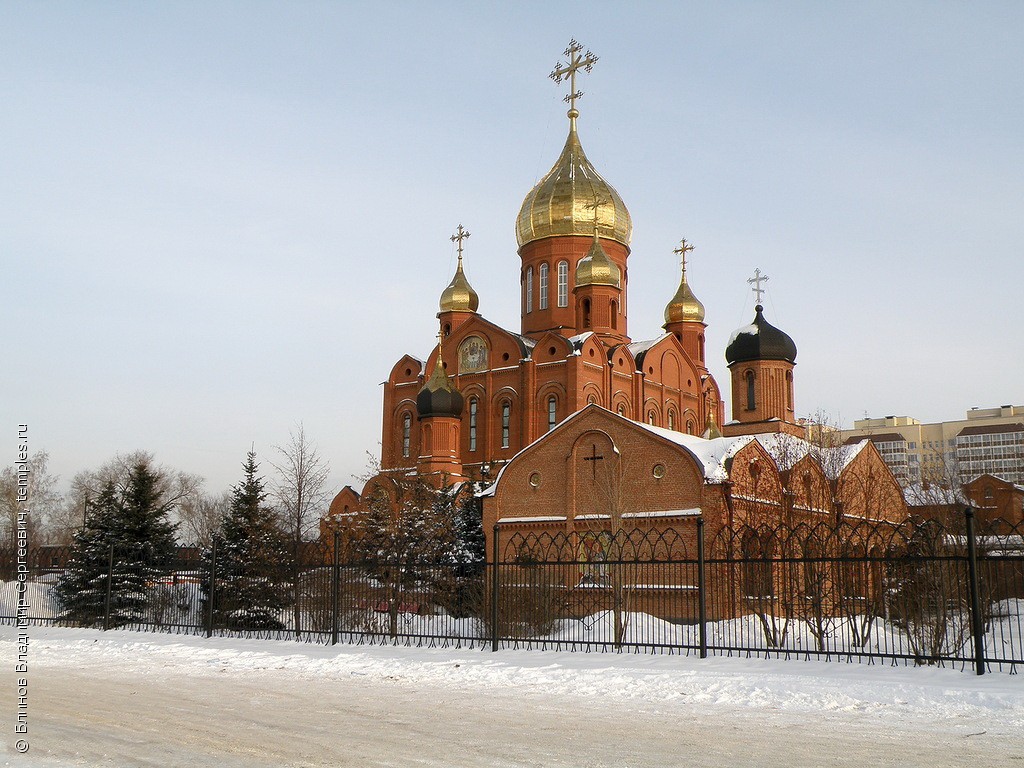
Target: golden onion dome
x,y
684,307
596,268
565,201
459,296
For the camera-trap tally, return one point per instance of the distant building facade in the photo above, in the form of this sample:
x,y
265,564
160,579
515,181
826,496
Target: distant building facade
x,y
987,441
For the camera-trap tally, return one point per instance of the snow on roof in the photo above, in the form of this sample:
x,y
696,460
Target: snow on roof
x,y
577,341
711,455
639,347
785,450
917,495
749,330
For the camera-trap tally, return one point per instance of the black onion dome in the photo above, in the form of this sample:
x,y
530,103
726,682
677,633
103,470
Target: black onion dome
x,y
439,397
760,341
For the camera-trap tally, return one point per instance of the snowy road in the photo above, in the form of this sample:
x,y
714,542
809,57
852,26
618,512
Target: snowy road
x,y
126,699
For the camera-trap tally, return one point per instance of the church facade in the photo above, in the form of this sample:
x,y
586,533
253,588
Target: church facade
x,y
570,394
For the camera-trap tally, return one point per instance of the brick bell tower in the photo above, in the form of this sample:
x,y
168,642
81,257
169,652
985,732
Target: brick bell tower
x,y
684,315
761,359
573,232
439,408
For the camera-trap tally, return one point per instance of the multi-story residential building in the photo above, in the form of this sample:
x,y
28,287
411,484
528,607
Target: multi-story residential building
x,y
987,441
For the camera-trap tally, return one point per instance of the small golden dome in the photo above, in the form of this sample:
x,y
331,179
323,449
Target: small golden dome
x,y
459,296
596,268
564,201
684,307
711,430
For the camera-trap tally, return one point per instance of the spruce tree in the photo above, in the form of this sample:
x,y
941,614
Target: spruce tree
x,y
132,522
252,559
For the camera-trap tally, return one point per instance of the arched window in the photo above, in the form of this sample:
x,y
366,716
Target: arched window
x,y
651,418
552,412
406,434
751,398
622,410
690,427
543,301
529,289
789,390
506,419
586,313
473,403
671,419
563,283
700,347
615,315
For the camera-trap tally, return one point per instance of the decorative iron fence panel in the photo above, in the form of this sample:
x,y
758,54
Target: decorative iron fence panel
x,y
912,593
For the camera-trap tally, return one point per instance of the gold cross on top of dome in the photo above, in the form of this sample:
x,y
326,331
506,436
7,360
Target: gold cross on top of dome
x,y
567,71
683,249
460,235
756,281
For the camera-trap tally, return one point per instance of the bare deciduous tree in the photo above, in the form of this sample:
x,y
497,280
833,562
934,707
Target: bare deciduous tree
x,y
40,497
301,496
200,515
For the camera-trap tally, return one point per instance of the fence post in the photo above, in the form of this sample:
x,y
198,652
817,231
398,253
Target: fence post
x,y
702,608
494,592
977,626
110,579
335,586
212,593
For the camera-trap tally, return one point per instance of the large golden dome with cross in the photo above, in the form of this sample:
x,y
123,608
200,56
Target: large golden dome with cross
x,y
573,199
565,201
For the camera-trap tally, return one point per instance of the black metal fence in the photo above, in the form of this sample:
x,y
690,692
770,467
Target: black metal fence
x,y
918,593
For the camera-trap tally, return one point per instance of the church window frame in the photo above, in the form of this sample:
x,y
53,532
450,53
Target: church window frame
x,y
789,390
751,379
671,419
563,283
529,290
652,417
506,422
552,412
406,434
586,313
615,315
474,406
622,410
542,299
691,428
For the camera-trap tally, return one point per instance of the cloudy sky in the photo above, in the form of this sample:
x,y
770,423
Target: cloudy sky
x,y
220,219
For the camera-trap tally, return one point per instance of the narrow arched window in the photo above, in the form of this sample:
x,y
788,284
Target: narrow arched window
x,y
506,420
751,397
789,390
671,419
529,289
700,347
552,412
586,313
650,418
615,315
406,434
473,403
563,283
690,427
543,300
622,410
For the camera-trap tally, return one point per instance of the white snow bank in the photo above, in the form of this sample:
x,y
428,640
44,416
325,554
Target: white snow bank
x,y
924,695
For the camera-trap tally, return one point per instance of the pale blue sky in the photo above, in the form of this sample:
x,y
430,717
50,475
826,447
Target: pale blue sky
x,y
218,219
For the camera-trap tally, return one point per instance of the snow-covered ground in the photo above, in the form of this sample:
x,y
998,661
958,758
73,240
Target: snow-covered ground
x,y
138,699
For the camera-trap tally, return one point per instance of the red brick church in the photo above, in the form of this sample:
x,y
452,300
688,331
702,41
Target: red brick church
x,y
487,402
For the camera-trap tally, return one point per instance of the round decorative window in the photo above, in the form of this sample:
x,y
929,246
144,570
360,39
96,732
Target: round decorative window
x,y
659,471
535,480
